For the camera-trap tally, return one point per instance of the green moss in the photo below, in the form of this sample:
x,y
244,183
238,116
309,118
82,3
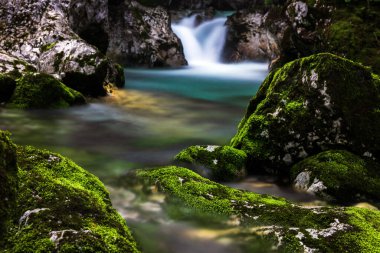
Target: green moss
x,y
43,91
309,105
346,176
220,163
337,229
353,34
63,208
47,47
8,181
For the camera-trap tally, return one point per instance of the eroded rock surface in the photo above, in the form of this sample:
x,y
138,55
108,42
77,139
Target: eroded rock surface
x,y
70,40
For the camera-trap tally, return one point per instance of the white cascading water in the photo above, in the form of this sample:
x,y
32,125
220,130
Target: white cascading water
x,y
203,44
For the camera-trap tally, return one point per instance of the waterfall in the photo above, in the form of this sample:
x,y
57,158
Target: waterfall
x,y
203,44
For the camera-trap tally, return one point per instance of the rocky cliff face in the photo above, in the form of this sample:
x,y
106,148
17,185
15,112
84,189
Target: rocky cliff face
x,y
297,28
70,38
142,36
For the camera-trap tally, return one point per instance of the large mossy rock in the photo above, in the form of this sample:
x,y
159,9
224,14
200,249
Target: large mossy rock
x,y
338,175
8,181
59,206
36,90
219,163
313,104
290,227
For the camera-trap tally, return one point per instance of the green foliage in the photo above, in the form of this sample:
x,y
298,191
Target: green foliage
x,y
43,91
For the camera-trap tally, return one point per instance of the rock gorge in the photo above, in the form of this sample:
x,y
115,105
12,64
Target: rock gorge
x,y
313,124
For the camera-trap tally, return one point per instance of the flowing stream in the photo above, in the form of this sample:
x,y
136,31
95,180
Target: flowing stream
x,y
159,113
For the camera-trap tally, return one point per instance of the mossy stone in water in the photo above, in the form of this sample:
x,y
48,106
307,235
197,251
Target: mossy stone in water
x,y
290,227
60,208
339,175
219,163
8,181
312,104
36,90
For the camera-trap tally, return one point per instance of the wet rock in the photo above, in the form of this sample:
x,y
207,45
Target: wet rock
x,y
142,36
204,4
249,38
313,104
219,163
286,226
60,206
338,175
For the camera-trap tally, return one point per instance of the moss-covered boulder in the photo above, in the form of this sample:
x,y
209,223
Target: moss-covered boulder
x,y
338,175
36,90
59,207
290,227
312,104
8,181
219,163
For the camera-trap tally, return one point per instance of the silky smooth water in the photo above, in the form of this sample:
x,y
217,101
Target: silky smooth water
x,y
159,113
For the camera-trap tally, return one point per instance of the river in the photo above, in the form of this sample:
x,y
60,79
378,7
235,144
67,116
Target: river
x,y
159,113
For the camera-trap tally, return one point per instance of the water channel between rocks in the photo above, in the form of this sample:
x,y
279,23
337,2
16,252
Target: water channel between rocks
x,y
158,113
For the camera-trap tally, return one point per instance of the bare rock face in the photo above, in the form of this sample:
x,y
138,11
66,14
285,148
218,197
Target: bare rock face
x,y
142,36
276,33
216,4
249,38
39,33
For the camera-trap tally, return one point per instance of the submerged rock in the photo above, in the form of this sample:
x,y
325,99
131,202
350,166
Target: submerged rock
x,y
313,104
338,175
219,163
60,206
289,227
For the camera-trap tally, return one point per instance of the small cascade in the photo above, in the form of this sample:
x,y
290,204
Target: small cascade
x,y
203,44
